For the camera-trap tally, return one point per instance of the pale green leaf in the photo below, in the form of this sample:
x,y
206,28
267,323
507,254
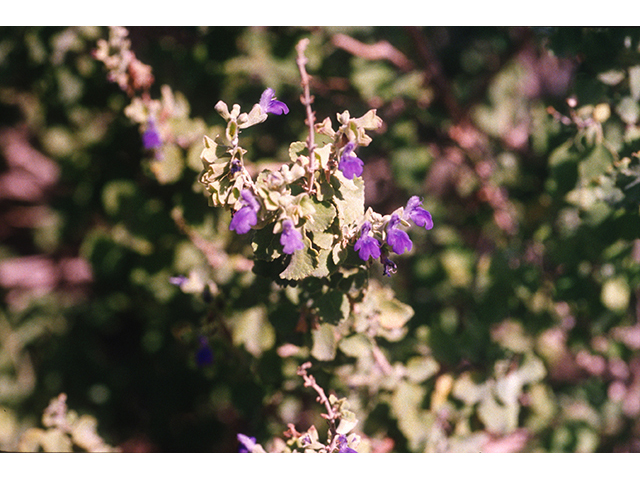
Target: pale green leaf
x,y
324,342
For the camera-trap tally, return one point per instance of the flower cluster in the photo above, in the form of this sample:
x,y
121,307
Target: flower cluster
x,y
375,242
314,204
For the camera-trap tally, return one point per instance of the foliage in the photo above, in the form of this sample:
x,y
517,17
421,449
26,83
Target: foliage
x,y
510,324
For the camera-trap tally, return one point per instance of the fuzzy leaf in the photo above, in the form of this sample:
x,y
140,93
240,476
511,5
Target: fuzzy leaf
x,y
333,307
252,329
394,313
349,199
303,263
324,342
325,212
295,149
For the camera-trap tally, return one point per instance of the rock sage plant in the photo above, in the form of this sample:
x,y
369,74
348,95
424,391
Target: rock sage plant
x,y
311,228
308,216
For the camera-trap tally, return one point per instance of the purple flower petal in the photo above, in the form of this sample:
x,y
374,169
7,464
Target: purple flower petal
x,y
243,220
291,239
367,246
179,281
246,443
270,104
204,355
250,200
398,239
343,445
246,217
350,165
389,267
417,214
151,137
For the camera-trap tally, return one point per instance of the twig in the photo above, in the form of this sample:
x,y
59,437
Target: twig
x,y
331,415
381,50
306,99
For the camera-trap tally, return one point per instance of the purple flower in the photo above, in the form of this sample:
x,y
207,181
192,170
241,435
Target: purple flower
x,y
291,239
389,266
350,165
235,166
398,239
366,245
204,355
270,104
179,281
419,215
151,137
343,445
246,217
246,443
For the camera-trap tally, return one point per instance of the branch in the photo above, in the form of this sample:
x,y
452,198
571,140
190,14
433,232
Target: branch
x,y
306,99
331,415
382,50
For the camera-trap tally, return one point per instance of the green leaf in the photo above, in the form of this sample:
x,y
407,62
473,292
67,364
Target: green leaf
x,y
420,369
634,82
333,306
169,168
596,163
324,342
295,149
322,270
252,329
369,121
325,212
468,391
348,199
628,110
213,151
394,314
255,116
303,263
323,240
265,245
498,419
355,346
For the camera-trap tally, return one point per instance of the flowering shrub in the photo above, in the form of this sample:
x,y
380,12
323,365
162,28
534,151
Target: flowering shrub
x,y
449,263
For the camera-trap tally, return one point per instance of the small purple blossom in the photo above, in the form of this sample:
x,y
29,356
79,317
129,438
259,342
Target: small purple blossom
x,y
343,445
270,104
291,239
398,239
179,280
350,165
234,166
246,443
204,355
389,266
419,215
246,217
151,137
367,246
